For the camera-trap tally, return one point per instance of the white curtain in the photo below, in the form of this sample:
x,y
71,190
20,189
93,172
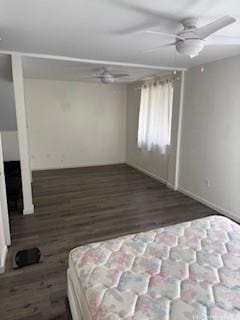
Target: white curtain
x,y
154,127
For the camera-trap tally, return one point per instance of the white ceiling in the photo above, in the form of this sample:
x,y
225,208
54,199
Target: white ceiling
x,y
96,29
77,71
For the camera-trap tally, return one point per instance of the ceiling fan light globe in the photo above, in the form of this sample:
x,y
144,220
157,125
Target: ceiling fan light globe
x,y
107,79
190,47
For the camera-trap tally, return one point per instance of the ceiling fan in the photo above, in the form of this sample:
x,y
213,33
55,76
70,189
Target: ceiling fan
x,y
106,76
191,40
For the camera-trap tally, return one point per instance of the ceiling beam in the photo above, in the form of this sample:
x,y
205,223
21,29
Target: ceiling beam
x,y
89,61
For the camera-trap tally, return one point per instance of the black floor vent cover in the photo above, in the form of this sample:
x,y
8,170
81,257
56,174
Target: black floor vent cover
x,y
27,257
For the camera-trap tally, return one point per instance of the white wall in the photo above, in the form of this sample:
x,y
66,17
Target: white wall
x,y
75,124
154,163
210,141
10,146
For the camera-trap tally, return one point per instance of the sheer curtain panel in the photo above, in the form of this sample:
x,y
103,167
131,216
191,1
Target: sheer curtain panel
x,y
154,127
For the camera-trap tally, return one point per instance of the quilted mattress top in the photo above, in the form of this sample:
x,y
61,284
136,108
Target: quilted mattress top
x,y
189,271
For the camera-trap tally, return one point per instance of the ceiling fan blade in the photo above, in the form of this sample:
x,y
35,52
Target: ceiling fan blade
x,y
160,33
120,75
125,4
152,18
205,31
159,48
89,76
221,40
137,28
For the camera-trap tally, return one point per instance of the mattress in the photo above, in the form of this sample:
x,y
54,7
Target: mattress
x,y
182,272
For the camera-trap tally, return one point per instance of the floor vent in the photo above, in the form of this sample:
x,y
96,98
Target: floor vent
x,y
27,257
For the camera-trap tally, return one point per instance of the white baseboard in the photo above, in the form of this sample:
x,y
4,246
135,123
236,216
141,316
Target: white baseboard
x,y
148,173
97,164
29,210
171,186
210,204
3,259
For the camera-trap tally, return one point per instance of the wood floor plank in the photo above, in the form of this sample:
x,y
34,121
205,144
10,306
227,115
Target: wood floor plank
x,y
74,207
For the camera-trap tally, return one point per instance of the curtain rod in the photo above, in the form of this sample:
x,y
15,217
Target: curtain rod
x,y
161,78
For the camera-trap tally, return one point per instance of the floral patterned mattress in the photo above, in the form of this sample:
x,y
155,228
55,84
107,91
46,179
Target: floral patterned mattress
x,y
189,271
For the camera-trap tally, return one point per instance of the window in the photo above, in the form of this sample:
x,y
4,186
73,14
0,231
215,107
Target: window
x,y
154,127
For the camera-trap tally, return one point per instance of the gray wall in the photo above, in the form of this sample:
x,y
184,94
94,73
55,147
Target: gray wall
x,y
210,141
10,146
7,104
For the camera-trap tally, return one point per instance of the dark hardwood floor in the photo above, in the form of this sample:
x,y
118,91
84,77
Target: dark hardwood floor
x,y
75,207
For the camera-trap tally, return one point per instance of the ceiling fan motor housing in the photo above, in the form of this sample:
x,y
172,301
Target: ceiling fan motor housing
x,y
107,78
190,47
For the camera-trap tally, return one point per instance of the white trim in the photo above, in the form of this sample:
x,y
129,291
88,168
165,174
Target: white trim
x,y
3,197
178,149
171,186
148,173
3,259
102,62
210,204
99,164
18,86
29,210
